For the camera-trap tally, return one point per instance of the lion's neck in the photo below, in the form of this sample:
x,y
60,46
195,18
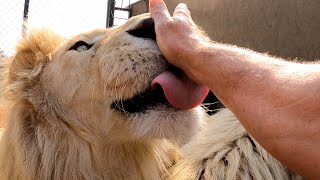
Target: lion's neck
x,y
136,160
49,152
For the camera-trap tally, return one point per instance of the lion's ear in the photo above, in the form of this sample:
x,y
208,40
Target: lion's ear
x,y
32,53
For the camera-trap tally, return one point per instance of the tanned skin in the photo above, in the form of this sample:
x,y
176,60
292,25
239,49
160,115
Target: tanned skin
x,y
278,102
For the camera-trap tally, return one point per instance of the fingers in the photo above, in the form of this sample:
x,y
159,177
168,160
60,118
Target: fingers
x,y
182,11
159,11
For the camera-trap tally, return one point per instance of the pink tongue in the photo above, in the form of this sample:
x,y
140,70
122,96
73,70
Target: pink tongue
x,y
180,94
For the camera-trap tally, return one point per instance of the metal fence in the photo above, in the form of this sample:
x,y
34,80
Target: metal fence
x,y
66,17
11,16
119,11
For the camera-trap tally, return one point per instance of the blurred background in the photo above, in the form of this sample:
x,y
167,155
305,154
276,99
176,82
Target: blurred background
x,y
286,28
66,17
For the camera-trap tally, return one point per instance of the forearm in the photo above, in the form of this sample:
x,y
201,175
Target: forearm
x,y
276,101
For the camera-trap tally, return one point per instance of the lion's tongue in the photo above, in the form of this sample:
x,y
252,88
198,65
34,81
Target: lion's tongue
x,y
181,94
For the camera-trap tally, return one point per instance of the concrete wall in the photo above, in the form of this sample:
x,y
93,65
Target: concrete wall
x,y
139,7
286,28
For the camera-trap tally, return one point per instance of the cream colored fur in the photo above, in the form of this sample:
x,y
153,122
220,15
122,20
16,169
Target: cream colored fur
x,y
224,150
60,124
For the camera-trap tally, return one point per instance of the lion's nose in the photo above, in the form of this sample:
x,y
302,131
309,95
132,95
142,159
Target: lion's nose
x,y
144,30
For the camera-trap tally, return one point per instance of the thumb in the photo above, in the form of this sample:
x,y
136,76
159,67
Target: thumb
x,y
159,11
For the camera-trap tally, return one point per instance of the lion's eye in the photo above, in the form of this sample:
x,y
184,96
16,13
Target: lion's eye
x,y
81,46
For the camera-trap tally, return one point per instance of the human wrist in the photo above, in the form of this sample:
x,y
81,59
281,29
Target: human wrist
x,y
191,56
195,59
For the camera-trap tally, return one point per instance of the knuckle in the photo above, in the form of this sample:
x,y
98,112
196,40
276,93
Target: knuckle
x,y
182,5
182,12
180,19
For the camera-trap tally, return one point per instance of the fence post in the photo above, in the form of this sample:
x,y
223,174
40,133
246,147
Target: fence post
x,y
147,4
110,13
25,18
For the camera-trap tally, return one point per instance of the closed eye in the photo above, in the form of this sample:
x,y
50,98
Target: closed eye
x,y
81,46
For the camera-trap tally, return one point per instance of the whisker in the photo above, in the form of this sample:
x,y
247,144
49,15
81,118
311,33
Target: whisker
x,y
208,104
120,94
121,100
92,95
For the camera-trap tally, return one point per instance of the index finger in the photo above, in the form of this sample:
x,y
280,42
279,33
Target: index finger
x,y
159,11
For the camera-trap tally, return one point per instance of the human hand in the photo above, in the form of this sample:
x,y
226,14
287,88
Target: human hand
x,y
178,37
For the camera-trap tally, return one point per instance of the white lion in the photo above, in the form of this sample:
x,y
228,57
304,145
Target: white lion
x,y
83,109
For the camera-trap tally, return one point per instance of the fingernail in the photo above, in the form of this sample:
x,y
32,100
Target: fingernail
x,y
155,2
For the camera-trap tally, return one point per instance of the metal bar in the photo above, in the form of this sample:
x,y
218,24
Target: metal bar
x,y
120,18
25,18
110,13
130,11
122,9
147,5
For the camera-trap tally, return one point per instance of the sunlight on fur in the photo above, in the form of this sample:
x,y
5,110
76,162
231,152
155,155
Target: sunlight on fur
x,y
68,116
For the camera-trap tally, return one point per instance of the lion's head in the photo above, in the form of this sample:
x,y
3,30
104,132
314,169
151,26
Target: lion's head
x,y
104,104
99,84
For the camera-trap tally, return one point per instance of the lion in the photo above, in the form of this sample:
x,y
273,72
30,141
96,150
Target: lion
x,y
97,106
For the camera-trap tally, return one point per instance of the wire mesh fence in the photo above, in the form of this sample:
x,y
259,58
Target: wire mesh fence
x,y
65,17
11,17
